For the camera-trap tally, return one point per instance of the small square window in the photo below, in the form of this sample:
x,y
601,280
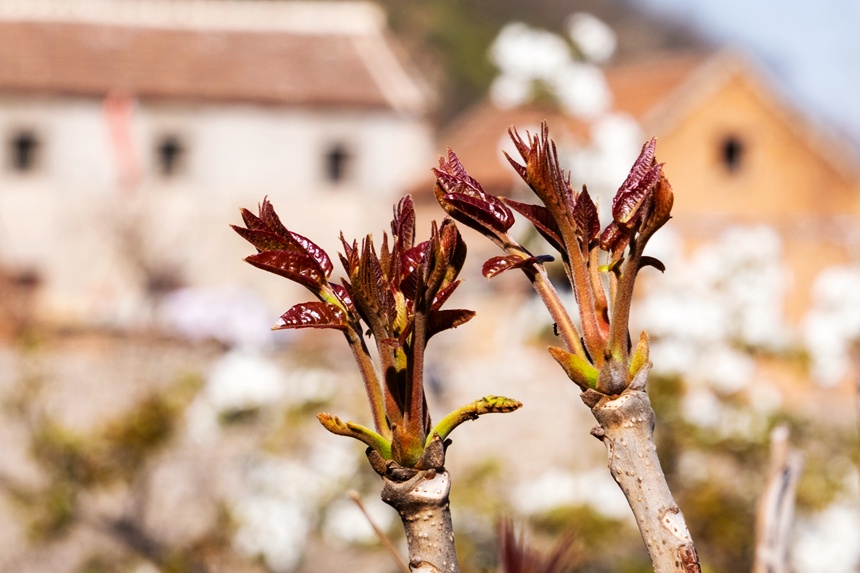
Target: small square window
x,y
733,153
23,151
337,160
170,155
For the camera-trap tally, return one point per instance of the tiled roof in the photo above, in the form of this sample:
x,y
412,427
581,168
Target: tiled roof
x,y
638,88
479,137
657,92
352,67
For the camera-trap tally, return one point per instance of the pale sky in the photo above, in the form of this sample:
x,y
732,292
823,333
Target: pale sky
x,y
810,49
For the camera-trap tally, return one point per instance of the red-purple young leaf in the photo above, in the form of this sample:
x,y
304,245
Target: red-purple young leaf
x,y
267,233
639,183
454,249
642,165
251,220
444,294
446,254
540,217
661,204
520,169
411,258
312,249
403,224
586,218
370,294
439,320
522,147
543,174
264,240
312,315
410,269
454,167
409,285
476,213
647,261
390,265
342,292
434,267
270,218
613,239
626,203
454,180
298,267
498,265
349,257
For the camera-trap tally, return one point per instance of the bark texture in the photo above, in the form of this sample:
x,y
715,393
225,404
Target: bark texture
x,y
422,502
420,496
627,429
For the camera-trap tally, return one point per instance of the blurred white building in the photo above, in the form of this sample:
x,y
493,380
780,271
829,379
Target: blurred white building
x,y
133,131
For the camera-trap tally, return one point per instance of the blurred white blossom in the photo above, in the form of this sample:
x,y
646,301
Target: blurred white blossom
x,y
345,522
275,511
246,379
530,53
276,506
509,91
555,488
827,541
702,407
592,36
230,315
527,56
614,142
243,379
832,326
728,294
726,369
273,529
581,89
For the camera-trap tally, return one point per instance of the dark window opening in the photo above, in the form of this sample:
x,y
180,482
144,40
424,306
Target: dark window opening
x,y
337,163
24,151
732,153
170,156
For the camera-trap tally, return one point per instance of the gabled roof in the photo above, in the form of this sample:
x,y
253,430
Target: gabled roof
x,y
296,54
711,74
637,89
657,92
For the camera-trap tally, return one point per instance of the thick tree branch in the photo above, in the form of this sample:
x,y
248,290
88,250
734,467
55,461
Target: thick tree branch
x,y
422,502
626,428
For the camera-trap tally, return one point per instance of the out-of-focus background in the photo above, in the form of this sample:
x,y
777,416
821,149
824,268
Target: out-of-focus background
x,y
149,419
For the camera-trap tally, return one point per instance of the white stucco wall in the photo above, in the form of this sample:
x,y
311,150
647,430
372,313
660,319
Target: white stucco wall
x,y
62,219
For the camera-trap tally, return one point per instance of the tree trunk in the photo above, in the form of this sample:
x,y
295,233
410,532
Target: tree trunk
x,y
422,502
627,430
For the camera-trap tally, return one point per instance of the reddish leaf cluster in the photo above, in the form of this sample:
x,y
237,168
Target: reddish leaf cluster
x,y
282,251
395,295
405,279
569,221
642,203
466,201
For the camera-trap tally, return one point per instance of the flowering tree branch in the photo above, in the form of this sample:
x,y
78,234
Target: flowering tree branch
x,y
597,356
